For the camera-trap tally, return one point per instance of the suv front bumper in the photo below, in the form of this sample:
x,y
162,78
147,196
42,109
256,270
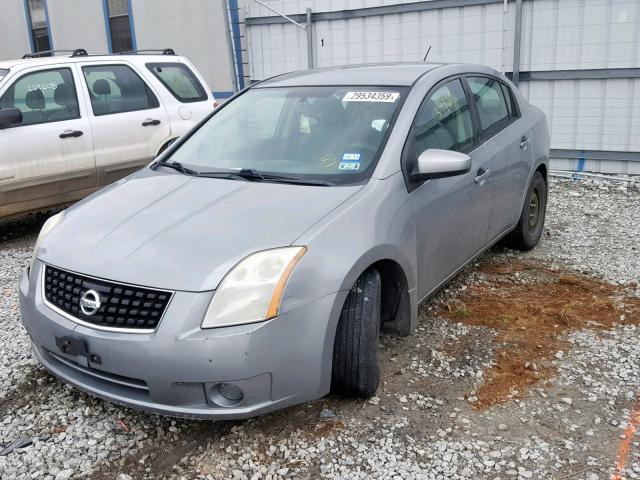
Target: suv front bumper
x,y
176,370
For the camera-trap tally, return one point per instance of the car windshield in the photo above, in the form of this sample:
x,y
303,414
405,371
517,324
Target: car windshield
x,y
3,73
330,134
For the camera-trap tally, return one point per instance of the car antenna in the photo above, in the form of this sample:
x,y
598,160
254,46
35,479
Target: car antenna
x,y
426,54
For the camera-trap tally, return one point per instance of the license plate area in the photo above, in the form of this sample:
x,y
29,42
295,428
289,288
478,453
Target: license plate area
x,y
77,347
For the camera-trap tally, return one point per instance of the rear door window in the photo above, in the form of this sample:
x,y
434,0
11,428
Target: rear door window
x,y
179,80
511,101
43,96
117,89
490,103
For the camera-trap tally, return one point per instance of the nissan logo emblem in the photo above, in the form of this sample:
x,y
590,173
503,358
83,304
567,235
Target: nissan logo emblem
x,y
90,302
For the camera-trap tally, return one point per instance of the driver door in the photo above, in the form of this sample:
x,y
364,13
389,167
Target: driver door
x,y
451,214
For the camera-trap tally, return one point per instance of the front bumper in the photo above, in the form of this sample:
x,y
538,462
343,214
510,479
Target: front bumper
x,y
176,369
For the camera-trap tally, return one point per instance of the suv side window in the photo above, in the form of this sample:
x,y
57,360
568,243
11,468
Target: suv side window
x,y
444,120
43,96
117,89
490,103
179,80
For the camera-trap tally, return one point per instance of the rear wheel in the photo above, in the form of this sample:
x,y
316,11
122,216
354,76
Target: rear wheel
x,y
529,229
355,351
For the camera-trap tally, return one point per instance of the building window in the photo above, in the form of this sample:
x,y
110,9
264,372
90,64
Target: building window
x,y
119,25
39,30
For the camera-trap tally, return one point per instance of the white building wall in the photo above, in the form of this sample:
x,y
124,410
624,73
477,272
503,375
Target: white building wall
x,y
78,24
193,28
14,34
470,34
571,34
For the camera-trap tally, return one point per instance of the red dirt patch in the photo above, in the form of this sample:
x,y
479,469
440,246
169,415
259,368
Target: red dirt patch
x,y
532,307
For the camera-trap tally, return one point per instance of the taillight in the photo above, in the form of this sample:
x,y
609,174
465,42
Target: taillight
x,y
216,104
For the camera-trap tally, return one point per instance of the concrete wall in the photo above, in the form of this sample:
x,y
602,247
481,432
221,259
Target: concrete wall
x,y
78,24
14,33
194,28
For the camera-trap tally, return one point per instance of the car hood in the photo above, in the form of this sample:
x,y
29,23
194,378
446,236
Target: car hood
x,y
172,231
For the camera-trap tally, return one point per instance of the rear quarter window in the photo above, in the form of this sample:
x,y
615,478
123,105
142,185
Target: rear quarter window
x,y
179,80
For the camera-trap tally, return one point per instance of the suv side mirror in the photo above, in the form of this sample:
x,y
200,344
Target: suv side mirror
x,y
10,116
434,163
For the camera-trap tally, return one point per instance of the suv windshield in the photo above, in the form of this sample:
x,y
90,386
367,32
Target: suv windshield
x,y
328,134
3,73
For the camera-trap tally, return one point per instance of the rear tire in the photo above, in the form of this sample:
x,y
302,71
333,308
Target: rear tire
x,y
529,229
355,351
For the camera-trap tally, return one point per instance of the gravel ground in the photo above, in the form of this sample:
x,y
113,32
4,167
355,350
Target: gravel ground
x,y
423,424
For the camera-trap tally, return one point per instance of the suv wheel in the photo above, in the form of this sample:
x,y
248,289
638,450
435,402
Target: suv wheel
x,y
355,351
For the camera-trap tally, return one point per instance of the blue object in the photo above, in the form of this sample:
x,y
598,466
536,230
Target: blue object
x,y
237,45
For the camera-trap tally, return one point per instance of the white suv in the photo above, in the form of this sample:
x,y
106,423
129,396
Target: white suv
x,y
74,123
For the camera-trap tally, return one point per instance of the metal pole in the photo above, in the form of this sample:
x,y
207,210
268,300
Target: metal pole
x,y
236,84
280,14
309,39
517,37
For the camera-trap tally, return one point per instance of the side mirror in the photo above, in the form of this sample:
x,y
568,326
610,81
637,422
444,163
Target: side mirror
x,y
434,163
10,116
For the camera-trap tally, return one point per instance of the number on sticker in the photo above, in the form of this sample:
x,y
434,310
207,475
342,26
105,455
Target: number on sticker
x,y
370,97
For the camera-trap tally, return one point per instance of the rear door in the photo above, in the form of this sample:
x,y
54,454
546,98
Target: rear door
x,y
128,122
451,214
48,158
188,98
507,141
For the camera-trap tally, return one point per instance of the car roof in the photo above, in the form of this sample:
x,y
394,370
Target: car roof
x,y
56,59
382,74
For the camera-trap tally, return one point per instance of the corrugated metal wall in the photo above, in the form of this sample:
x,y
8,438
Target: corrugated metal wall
x,y
558,37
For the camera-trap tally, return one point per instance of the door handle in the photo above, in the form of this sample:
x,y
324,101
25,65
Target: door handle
x,y
70,133
482,175
523,142
149,122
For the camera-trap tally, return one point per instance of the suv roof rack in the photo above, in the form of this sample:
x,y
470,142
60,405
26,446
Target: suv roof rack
x,y
162,51
78,52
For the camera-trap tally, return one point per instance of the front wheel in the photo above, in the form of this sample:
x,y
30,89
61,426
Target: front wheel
x,y
529,229
355,350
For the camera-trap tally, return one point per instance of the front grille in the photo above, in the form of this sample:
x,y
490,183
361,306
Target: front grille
x,y
121,306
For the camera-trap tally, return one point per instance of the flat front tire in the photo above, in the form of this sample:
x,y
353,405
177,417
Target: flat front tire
x,y
355,370
529,229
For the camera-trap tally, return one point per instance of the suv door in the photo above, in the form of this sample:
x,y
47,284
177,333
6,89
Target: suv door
x,y
451,214
507,140
129,124
46,159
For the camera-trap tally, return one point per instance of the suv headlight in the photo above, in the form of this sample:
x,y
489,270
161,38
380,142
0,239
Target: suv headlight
x,y
252,290
50,224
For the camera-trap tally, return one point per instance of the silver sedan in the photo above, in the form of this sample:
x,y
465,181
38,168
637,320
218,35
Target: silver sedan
x,y
253,265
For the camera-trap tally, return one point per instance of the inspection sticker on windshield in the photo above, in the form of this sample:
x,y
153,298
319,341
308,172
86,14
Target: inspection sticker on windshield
x,y
371,97
350,161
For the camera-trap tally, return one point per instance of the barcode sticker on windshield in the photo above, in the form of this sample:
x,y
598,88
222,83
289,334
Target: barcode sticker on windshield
x,y
371,97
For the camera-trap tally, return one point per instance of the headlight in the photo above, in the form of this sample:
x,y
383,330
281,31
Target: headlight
x,y
49,225
252,290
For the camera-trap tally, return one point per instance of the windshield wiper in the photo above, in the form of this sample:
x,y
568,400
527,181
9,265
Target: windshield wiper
x,y
296,181
176,166
248,174
252,175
